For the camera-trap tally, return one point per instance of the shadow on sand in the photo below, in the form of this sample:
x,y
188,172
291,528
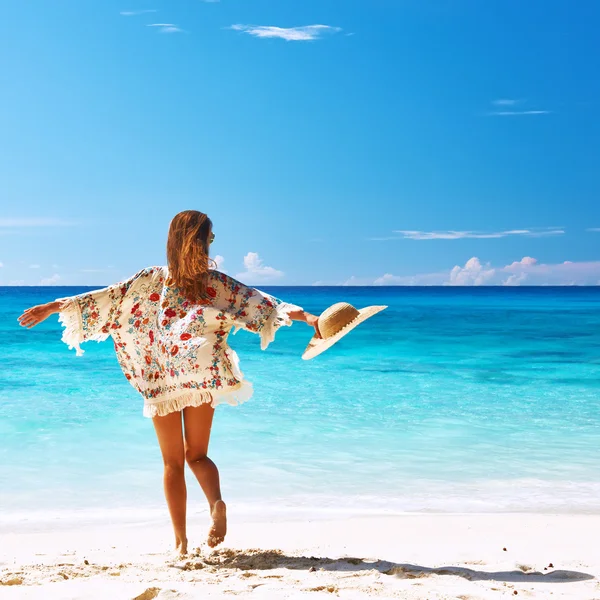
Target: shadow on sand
x,y
257,560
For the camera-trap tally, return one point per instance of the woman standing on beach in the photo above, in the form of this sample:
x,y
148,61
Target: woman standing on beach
x,y
170,327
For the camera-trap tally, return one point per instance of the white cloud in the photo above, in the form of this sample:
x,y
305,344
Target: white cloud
x,y
527,271
473,273
290,34
166,27
505,102
1,265
16,282
517,113
546,232
594,229
352,281
256,271
220,261
54,280
34,266
389,279
526,261
463,235
565,273
447,235
135,13
34,222
508,107
515,280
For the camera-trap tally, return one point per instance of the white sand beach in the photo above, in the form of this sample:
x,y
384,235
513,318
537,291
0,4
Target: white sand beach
x,y
411,556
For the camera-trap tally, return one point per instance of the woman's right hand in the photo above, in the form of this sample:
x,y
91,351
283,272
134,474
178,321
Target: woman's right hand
x,y
313,321
302,315
36,314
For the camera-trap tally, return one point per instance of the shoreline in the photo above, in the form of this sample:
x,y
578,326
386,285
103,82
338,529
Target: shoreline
x,y
88,519
408,556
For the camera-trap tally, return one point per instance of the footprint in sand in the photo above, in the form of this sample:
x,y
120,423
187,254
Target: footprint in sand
x,y
148,594
332,589
12,581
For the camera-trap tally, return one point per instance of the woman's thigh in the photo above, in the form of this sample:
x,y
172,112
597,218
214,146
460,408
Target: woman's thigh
x,y
169,432
197,425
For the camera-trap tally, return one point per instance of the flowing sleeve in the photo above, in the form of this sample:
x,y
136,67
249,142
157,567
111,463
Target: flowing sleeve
x,y
93,315
256,311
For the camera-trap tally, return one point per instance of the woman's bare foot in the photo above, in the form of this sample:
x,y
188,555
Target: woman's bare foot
x,y
218,530
181,548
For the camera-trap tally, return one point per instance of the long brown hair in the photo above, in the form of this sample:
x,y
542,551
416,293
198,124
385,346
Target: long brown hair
x,y
187,253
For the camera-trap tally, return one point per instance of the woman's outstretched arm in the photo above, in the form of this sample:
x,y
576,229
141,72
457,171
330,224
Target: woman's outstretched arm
x,y
257,311
36,314
88,316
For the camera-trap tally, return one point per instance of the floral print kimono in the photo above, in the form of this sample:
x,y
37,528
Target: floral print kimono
x,y
174,352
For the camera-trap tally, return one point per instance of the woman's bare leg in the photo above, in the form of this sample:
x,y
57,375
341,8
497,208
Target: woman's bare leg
x,y
198,422
170,439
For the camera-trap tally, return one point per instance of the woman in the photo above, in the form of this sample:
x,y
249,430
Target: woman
x,y
170,327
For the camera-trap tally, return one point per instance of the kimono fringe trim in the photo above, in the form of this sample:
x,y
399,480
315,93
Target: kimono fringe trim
x,y
279,318
70,318
198,398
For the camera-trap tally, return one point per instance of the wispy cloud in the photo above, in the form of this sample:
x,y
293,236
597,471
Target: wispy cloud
x,y
505,102
290,34
135,13
594,229
256,271
34,222
517,113
166,27
463,235
507,107
545,232
34,266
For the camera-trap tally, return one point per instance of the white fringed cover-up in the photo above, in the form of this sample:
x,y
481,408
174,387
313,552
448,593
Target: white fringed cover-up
x,y
174,352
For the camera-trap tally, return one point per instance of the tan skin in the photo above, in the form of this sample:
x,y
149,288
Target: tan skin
x,y
183,437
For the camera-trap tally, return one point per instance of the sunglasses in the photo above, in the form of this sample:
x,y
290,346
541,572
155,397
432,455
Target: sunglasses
x,y
212,238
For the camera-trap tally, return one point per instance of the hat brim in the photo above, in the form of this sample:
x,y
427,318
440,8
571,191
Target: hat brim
x,y
318,345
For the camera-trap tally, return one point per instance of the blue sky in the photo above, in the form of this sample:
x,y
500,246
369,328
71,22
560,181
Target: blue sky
x,y
374,141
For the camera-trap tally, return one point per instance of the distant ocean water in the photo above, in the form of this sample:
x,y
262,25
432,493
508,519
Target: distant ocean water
x,y
452,400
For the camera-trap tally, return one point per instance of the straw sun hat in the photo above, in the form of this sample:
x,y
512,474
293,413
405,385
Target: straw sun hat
x,y
334,323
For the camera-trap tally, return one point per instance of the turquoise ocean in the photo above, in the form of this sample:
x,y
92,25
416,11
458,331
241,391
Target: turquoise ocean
x,y
452,400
